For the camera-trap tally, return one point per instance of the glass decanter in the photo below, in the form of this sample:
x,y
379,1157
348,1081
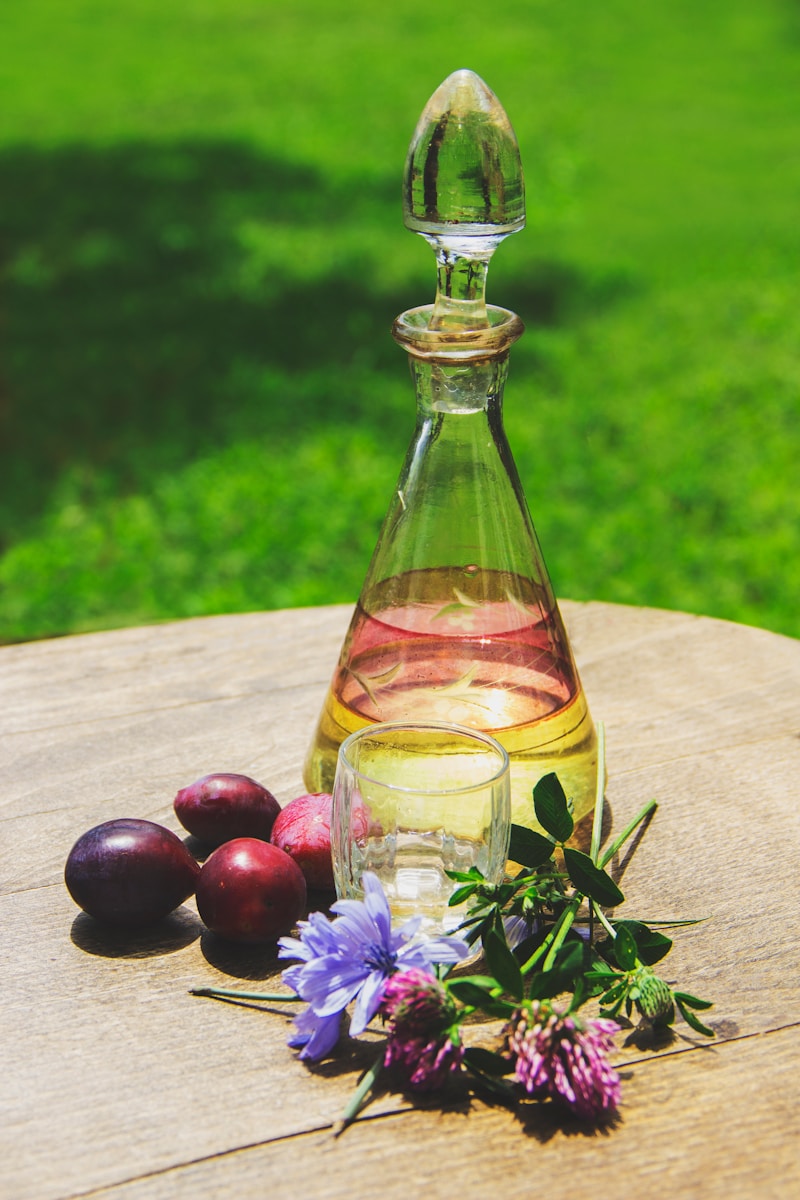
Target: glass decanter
x,y
457,621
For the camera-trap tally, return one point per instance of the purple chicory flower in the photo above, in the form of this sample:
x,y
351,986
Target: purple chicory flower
x,y
519,928
564,1056
316,1035
424,1040
351,958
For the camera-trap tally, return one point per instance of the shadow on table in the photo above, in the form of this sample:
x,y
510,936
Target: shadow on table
x,y
582,834
241,961
179,930
254,962
582,837
543,1120
175,932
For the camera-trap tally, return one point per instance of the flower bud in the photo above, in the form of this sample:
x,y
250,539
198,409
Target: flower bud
x,y
655,997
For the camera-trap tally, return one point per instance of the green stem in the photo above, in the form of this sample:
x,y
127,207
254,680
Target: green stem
x,y
562,929
597,823
228,994
357,1100
612,933
555,938
538,953
649,808
604,921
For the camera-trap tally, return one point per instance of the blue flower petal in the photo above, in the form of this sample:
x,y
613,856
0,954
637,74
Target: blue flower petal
x,y
317,1035
368,1002
289,947
351,958
329,984
354,925
292,977
407,930
377,906
445,949
317,936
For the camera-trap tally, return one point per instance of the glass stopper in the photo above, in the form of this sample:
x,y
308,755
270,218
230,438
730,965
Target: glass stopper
x,y
463,190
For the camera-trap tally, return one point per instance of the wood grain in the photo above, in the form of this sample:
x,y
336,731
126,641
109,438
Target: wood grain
x,y
670,1141
117,1083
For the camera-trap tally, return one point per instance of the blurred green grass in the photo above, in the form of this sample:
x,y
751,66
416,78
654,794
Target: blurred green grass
x,y
201,253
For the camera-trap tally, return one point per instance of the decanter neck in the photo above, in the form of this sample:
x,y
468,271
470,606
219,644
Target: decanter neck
x,y
459,387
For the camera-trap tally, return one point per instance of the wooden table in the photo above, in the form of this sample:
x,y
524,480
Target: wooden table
x,y
115,1082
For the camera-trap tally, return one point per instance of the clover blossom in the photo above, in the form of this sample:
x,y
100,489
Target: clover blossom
x,y
426,1064
424,1041
414,1002
351,958
563,1056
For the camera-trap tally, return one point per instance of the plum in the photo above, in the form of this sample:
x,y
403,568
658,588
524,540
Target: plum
x,y
303,829
130,872
221,807
250,891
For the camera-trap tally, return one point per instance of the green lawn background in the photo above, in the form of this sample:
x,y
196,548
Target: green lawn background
x,y
202,251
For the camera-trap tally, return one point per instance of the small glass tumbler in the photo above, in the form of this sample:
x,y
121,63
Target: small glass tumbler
x,y
412,801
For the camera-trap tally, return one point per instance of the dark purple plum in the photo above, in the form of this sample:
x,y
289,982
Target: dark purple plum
x,y
250,891
219,808
130,872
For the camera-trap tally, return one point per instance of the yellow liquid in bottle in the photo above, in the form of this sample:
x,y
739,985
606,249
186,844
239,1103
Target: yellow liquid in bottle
x,y
498,664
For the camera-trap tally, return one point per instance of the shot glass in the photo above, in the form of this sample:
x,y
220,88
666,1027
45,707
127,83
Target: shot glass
x,y
412,801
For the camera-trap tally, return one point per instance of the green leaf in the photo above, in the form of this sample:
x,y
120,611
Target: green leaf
x,y
591,880
502,1009
580,994
471,936
601,970
503,893
473,919
651,946
476,912
561,976
503,964
550,806
461,894
475,991
692,1001
484,981
545,985
473,875
625,948
487,1062
617,992
528,847
468,992
692,1020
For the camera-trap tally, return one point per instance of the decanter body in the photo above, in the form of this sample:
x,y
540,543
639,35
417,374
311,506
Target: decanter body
x,y
457,621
